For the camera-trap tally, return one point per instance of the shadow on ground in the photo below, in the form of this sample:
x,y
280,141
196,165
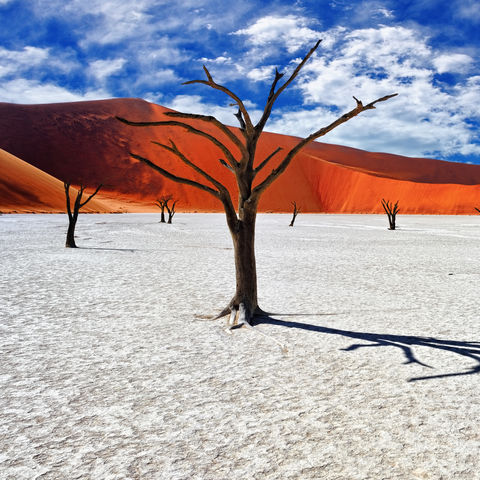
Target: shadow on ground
x,y
404,342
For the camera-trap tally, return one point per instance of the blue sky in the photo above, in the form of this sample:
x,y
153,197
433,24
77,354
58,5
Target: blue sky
x,y
425,50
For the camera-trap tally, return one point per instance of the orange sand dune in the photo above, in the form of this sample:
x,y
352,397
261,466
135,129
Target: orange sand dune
x,y
84,143
24,188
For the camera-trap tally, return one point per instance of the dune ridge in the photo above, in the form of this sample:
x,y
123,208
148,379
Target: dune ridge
x,y
83,143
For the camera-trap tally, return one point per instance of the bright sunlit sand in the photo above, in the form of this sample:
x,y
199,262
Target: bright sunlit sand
x,y
110,369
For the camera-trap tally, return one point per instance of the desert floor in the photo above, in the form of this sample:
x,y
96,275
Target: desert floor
x,y
111,370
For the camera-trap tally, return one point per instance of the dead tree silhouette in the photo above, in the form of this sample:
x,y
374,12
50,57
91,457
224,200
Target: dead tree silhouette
x,y
296,211
163,203
242,163
406,343
391,211
73,216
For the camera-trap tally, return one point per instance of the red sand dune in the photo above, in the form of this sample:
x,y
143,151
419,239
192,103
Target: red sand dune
x,y
26,189
82,142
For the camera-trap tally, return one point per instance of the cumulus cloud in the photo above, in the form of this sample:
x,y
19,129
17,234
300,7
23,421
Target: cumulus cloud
x,y
292,31
102,69
12,61
454,62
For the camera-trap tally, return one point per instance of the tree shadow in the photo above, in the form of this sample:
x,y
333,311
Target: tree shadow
x,y
403,342
131,250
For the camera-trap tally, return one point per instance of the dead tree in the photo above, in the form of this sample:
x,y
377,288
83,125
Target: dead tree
x,y
391,211
296,211
243,164
162,204
73,216
171,210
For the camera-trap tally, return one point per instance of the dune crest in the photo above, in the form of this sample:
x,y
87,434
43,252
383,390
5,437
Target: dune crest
x,y
83,142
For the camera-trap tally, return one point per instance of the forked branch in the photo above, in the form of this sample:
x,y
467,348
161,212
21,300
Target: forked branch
x,y
173,149
273,95
258,190
210,119
211,83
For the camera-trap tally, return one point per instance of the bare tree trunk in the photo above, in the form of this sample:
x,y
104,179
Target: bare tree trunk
x,y
70,241
244,304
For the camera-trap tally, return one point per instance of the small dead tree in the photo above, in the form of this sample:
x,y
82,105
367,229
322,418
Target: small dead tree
x,y
73,216
162,204
391,211
171,211
296,211
243,164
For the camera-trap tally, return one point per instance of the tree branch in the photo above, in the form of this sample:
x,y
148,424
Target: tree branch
x,y
238,102
90,197
173,149
175,178
262,164
190,129
319,133
217,123
272,97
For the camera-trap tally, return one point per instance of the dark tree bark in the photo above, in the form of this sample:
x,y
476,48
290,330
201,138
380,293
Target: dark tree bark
x,y
73,215
391,211
296,211
244,166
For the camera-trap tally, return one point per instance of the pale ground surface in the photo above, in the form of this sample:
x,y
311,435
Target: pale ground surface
x,y
108,370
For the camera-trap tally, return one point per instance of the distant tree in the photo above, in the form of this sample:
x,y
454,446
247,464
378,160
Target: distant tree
x,y
171,210
73,216
391,211
162,204
241,162
296,211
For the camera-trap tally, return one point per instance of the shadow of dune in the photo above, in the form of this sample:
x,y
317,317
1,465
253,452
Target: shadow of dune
x,y
406,343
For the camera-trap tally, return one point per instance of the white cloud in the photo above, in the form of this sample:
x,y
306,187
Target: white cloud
x,y
33,92
102,69
290,30
454,62
14,61
267,72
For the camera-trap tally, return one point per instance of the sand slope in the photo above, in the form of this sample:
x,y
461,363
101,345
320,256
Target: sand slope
x,y
25,188
84,142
